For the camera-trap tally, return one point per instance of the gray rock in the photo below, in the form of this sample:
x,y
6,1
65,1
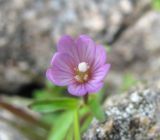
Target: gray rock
x,y
139,46
131,117
137,51
18,122
8,132
30,28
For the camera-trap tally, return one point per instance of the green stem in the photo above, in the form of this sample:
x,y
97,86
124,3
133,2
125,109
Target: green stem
x,y
85,99
76,126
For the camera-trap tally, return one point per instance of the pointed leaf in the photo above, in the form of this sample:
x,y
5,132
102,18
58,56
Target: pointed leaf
x,y
61,127
53,105
96,108
85,118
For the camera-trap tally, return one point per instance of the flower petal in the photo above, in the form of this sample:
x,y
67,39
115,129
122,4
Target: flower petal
x,y
100,57
77,89
93,87
61,72
100,73
54,56
60,80
86,49
67,45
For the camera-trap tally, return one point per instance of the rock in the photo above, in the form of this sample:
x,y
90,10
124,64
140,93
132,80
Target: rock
x,y
8,132
130,117
137,52
17,121
30,28
139,46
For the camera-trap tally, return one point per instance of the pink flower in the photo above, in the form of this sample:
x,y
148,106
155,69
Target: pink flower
x,y
79,64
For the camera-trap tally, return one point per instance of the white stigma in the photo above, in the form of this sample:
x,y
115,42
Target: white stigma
x,y
83,67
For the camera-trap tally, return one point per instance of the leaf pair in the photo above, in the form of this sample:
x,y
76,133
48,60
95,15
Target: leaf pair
x,y
57,104
64,121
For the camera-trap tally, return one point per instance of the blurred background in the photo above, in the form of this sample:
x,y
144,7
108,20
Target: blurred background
x,y
29,30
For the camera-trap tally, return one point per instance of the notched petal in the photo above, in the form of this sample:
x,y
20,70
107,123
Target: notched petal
x,y
100,73
86,49
93,87
77,89
62,70
100,57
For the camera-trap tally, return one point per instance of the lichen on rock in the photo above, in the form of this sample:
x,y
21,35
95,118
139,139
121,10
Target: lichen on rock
x,y
134,117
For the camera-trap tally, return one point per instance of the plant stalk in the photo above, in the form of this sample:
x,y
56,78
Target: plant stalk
x,y
85,99
76,126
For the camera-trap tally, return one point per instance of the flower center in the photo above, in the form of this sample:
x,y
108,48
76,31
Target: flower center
x,y
82,72
83,67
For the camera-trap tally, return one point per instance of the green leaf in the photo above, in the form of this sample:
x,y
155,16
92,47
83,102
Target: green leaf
x,y
41,95
49,93
53,105
156,4
50,118
62,125
69,135
95,107
86,123
108,48
77,135
85,118
128,81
